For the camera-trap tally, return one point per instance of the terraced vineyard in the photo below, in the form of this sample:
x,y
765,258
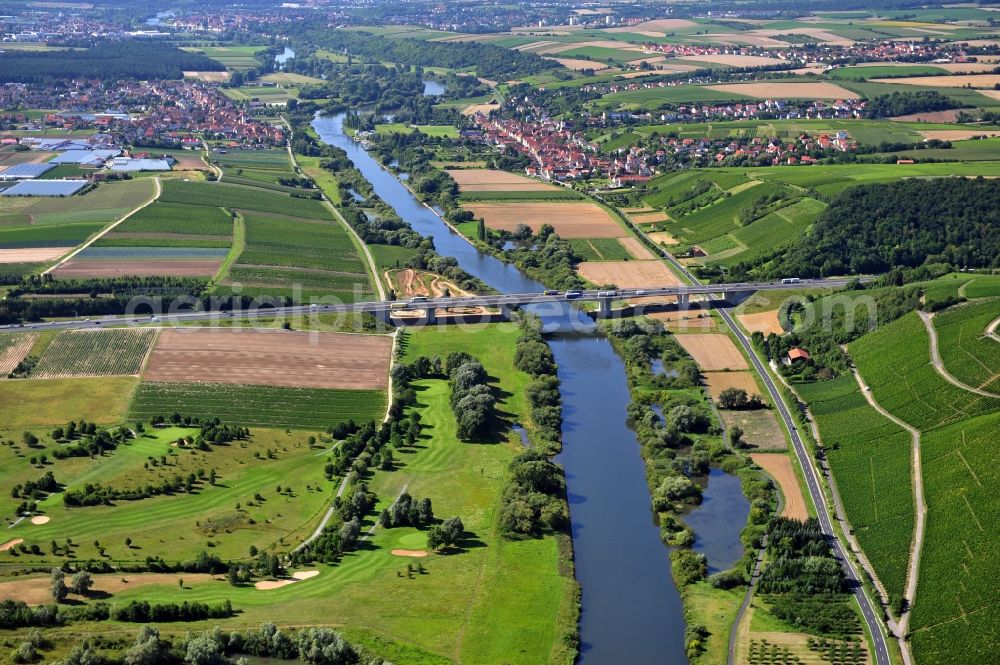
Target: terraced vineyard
x,y
895,361
967,353
261,406
870,459
94,353
178,218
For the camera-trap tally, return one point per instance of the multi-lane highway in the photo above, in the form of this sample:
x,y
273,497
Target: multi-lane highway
x,y
383,307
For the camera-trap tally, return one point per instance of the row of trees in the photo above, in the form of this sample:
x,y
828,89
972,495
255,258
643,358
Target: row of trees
x,y
535,494
472,399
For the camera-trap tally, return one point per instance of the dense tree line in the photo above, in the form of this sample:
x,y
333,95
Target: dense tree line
x,y
870,229
141,611
36,489
905,103
107,61
535,493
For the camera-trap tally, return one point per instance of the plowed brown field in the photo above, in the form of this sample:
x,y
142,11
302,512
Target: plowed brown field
x,y
628,274
271,357
492,180
138,268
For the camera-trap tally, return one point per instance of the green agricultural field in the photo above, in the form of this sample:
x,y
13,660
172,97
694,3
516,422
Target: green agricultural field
x,y
955,611
962,95
27,403
232,57
258,406
273,158
280,241
967,352
870,459
388,257
177,526
982,286
603,54
654,98
599,249
241,198
885,71
446,131
68,221
773,231
895,362
113,352
178,218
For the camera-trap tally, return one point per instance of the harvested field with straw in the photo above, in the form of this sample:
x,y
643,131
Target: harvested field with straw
x,y
473,109
636,248
580,65
713,351
958,134
628,274
720,381
208,77
492,180
662,238
570,219
734,60
270,358
13,349
764,322
973,80
780,468
800,90
659,26
32,254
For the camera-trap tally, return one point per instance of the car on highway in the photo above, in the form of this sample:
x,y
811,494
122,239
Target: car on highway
x,y
606,294
550,292
791,280
418,299
640,292
573,294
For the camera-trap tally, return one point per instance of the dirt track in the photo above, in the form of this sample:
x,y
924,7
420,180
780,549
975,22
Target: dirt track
x,y
271,357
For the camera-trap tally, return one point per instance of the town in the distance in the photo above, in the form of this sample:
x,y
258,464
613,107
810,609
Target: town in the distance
x,y
357,332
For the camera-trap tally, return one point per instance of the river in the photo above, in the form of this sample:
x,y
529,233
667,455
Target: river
x,y
631,610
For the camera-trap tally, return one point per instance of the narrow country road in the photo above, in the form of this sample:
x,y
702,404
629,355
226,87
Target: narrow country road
x,y
920,505
928,320
872,620
991,329
157,190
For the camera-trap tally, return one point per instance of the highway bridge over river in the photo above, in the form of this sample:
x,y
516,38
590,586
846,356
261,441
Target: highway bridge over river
x,y
427,308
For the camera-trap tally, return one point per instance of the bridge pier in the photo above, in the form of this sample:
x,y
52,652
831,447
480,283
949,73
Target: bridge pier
x,y
736,297
507,312
430,316
683,300
604,308
383,315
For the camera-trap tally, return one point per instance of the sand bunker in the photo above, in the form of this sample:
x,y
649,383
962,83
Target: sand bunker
x,y
11,543
40,519
305,574
265,585
413,553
